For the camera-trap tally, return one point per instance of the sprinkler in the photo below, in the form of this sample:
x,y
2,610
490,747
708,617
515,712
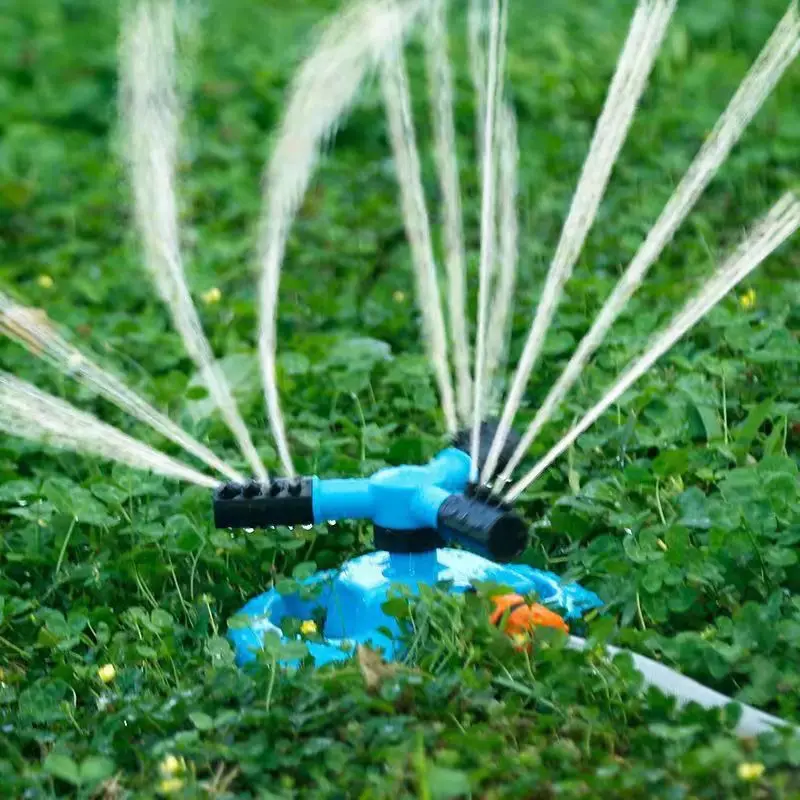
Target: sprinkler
x,y
431,527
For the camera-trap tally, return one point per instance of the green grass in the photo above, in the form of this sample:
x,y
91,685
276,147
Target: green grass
x,y
680,507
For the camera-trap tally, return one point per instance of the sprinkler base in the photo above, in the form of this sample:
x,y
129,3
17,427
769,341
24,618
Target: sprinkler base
x,y
351,600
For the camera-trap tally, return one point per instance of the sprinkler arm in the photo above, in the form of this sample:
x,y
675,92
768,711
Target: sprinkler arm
x,y
413,508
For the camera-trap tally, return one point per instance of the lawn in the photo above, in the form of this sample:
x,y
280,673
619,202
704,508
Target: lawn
x,y
680,507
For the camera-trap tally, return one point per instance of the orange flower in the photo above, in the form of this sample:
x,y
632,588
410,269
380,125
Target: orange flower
x,y
522,617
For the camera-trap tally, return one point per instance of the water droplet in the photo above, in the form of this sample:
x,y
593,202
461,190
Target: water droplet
x,y
307,527
249,530
332,522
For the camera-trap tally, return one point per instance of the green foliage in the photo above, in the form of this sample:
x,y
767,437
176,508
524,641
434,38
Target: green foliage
x,y
680,507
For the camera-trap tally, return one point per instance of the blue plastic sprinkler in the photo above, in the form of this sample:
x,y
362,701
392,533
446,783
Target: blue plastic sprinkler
x,y
418,514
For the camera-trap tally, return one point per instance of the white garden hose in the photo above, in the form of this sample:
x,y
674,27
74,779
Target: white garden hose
x,y
752,722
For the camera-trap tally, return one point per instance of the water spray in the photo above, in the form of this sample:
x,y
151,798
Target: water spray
x,y
30,413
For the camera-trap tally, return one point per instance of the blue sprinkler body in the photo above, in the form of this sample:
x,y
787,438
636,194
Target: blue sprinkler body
x,y
417,512
397,498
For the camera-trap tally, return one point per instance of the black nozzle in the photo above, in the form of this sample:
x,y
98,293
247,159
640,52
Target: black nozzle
x,y
463,441
280,501
483,524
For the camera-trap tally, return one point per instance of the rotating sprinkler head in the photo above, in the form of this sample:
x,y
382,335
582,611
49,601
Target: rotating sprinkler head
x,y
413,509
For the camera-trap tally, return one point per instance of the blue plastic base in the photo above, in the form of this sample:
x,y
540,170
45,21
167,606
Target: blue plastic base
x,y
353,595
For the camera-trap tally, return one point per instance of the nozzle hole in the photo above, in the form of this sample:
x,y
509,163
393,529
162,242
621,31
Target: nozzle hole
x,y
230,490
251,489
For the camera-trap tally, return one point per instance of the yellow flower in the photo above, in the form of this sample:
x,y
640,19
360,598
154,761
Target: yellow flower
x,y
45,281
170,785
748,771
308,627
107,673
212,296
748,299
399,296
171,766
